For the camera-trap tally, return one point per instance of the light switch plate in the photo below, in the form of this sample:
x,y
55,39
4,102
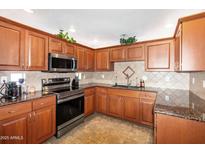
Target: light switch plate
x,y
193,80
203,83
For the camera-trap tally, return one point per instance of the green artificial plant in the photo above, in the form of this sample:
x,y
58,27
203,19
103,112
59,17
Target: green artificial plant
x,y
64,35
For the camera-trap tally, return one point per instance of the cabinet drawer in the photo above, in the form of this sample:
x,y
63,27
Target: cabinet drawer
x,y
89,91
148,95
14,110
101,90
43,102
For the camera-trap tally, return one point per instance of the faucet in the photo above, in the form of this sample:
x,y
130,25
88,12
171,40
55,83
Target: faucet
x,y
128,80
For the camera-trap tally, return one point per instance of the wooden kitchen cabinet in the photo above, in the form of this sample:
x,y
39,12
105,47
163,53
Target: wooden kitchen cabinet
x,y
117,54
101,100
132,109
89,60
159,55
102,60
69,49
135,52
28,122
175,130
55,45
115,105
36,51
12,42
81,58
89,106
190,46
43,125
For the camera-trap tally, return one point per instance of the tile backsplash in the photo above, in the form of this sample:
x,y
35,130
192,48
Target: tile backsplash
x,y
171,80
152,79
197,83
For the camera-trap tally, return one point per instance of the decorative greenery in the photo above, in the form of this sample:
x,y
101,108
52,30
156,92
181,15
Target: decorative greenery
x,y
64,35
126,41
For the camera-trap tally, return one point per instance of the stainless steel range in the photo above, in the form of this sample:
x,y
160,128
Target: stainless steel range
x,y
70,103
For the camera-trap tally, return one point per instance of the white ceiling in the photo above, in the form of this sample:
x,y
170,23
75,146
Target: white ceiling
x,y
99,28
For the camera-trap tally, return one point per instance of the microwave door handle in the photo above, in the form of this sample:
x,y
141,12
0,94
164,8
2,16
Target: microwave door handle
x,y
73,63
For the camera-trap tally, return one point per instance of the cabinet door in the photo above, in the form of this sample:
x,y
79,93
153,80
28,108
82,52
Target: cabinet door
x,y
102,60
101,103
115,105
146,109
43,125
89,105
131,108
159,56
89,60
135,52
81,58
55,45
36,51
117,54
14,130
193,46
11,46
69,49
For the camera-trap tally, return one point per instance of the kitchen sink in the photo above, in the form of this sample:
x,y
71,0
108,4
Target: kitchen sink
x,y
125,86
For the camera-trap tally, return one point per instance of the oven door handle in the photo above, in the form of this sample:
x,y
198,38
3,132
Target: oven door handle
x,y
69,98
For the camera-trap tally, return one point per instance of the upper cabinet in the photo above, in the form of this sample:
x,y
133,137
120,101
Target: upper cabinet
x,y
36,55
11,47
117,54
190,46
69,49
81,58
55,45
135,52
89,59
159,55
102,60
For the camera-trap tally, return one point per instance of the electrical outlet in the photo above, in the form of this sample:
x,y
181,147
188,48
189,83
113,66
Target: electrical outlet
x,y
167,98
193,80
203,83
3,78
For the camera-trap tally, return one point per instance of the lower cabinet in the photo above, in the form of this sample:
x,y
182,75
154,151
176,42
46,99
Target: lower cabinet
x,y
115,105
132,109
43,124
89,106
28,122
101,100
14,130
147,113
175,130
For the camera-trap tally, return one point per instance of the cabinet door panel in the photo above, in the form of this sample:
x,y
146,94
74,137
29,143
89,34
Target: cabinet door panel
x,y
44,124
102,60
89,58
69,49
135,52
81,58
101,103
15,130
11,46
159,56
146,108
117,54
36,51
89,105
193,46
131,108
55,45
115,105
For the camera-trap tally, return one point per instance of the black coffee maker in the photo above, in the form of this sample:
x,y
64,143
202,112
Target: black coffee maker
x,y
75,83
12,90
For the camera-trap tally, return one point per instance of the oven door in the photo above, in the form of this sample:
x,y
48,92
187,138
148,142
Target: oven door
x,y
69,110
62,63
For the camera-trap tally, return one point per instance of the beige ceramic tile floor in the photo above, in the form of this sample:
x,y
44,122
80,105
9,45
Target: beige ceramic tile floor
x,y
101,129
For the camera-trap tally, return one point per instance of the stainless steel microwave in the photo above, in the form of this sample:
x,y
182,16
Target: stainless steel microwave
x,y
61,63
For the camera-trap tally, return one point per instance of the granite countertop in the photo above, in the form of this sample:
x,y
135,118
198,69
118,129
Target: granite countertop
x,y
24,97
179,103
